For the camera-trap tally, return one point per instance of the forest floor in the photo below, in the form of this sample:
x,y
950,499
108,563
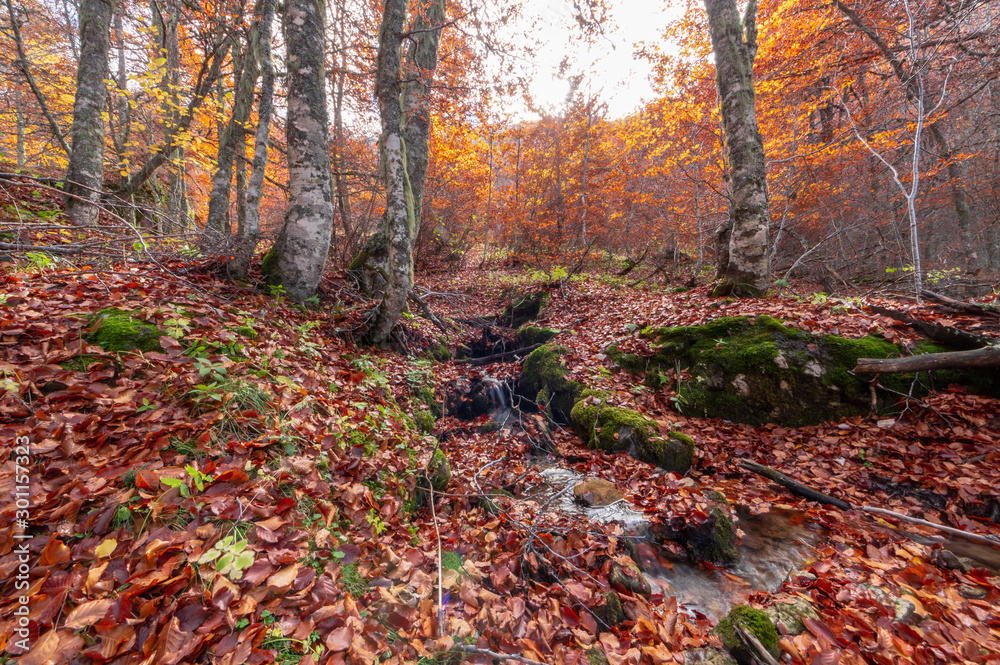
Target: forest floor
x,y
247,493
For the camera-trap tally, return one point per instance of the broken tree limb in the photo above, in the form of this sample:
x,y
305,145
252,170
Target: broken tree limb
x,y
988,356
796,488
799,489
959,306
938,333
486,360
428,313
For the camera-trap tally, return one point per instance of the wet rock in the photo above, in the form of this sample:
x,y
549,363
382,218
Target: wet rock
x,y
708,656
524,308
973,592
596,492
715,538
630,578
610,612
529,335
950,560
802,574
787,617
468,400
543,380
904,610
752,621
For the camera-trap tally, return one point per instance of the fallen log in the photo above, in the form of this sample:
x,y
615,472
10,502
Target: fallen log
x,y
806,492
959,306
486,360
936,332
985,357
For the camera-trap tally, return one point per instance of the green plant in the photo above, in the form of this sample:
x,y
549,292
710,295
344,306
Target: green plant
x,y
376,522
229,557
187,447
145,406
39,260
197,478
353,582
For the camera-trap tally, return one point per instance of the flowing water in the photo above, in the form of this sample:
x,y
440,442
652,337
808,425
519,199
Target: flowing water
x,y
773,545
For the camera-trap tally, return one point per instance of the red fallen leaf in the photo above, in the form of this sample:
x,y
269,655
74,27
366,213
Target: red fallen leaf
x,y
339,639
146,479
283,579
234,476
826,657
820,630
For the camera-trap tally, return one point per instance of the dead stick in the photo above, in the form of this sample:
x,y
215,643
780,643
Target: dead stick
x,y
752,644
988,540
497,356
795,487
813,495
465,648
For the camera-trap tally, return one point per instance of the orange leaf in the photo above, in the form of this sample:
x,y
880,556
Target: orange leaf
x,y
339,639
87,614
43,651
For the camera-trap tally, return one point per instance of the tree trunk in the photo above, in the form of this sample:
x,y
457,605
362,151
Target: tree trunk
x,y
167,46
414,132
217,225
249,235
85,174
747,272
399,215
19,116
301,248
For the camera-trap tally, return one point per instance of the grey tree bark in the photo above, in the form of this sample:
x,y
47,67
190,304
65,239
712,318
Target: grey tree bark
x,y
299,254
217,224
747,271
165,26
246,243
372,262
85,173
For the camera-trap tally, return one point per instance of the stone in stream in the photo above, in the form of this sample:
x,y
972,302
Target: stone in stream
x,y
714,539
610,612
787,617
596,492
630,578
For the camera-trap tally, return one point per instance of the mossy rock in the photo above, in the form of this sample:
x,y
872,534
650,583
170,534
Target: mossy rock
x,y
596,657
528,335
543,380
630,362
616,429
525,308
439,352
490,506
424,421
269,265
752,621
610,612
116,330
714,539
755,370
787,617
630,578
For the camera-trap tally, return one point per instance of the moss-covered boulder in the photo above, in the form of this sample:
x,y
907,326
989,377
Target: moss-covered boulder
x,y
524,308
117,330
713,539
596,657
610,612
755,370
528,335
424,421
439,352
543,380
751,621
616,429
787,617
630,578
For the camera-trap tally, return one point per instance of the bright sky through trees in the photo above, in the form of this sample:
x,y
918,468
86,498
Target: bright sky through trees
x,y
608,60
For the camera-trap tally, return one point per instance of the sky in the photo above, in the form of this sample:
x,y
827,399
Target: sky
x,y
615,74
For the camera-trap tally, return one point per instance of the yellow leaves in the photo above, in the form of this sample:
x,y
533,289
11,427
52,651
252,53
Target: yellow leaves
x,y
108,546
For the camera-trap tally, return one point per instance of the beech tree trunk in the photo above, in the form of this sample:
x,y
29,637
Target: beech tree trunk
x,y
373,261
299,254
746,272
406,119
85,174
250,233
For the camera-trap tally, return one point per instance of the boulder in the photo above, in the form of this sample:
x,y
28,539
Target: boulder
x,y
751,621
630,578
117,330
596,492
787,617
528,335
543,380
524,308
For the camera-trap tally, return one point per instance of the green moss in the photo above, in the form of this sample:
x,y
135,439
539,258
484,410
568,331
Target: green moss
x,y
543,378
610,612
247,332
426,396
790,615
451,560
630,362
490,506
439,471
439,352
529,335
269,265
596,657
756,370
525,308
78,363
752,621
674,453
116,330
424,421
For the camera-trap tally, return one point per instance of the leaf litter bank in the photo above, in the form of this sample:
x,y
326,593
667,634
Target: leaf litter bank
x,y
150,468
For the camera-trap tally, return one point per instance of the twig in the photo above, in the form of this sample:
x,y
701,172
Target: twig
x,y
486,360
437,533
987,540
428,313
752,644
465,648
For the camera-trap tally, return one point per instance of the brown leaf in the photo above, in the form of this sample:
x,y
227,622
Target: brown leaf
x,y
87,614
42,651
339,639
282,580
